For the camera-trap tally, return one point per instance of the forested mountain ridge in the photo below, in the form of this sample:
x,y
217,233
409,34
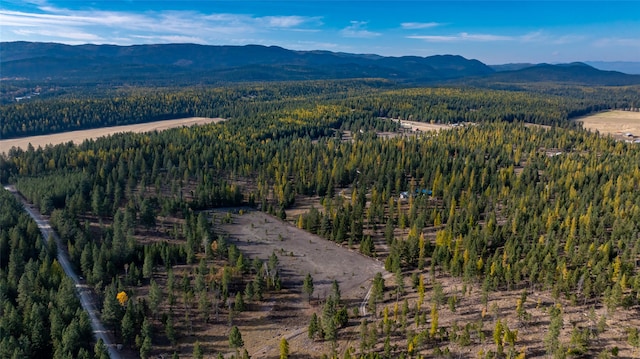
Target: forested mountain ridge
x,y
191,63
213,62
573,73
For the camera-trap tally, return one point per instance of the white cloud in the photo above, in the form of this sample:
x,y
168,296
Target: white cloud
x,y
357,29
62,34
617,41
567,39
170,39
310,45
181,26
463,36
534,36
531,37
419,25
283,21
544,37
75,18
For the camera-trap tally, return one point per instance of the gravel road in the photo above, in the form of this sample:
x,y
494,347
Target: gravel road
x,y
85,294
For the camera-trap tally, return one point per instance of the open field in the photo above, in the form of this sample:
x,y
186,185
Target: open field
x,y
258,235
78,136
422,126
413,127
614,123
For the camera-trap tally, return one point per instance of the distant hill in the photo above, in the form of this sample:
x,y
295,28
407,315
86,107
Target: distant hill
x,y
577,73
190,64
510,67
628,67
225,63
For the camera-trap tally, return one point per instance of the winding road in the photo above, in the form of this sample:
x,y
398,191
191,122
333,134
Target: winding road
x,y
85,294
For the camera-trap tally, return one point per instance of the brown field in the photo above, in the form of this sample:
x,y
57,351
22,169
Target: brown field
x,y
614,123
78,136
423,126
287,315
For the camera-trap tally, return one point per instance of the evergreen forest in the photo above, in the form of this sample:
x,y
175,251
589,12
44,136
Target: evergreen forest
x,y
511,199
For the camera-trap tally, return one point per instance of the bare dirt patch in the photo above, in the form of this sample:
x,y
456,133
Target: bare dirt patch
x,y
618,124
78,136
258,235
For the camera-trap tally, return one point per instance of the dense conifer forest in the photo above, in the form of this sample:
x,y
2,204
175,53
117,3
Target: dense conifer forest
x,y
41,317
495,202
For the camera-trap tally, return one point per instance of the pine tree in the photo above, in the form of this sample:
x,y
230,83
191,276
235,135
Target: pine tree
x,y
307,286
147,266
552,339
111,309
155,297
197,350
284,349
235,338
100,350
145,348
170,330
498,331
314,326
238,304
128,325
330,330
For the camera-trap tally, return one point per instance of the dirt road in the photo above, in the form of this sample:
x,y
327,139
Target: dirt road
x,y
86,296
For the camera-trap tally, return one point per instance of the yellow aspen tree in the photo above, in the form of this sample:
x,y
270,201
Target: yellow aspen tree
x,y
122,298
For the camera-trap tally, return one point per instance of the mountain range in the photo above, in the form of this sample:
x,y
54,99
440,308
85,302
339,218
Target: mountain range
x,y
190,63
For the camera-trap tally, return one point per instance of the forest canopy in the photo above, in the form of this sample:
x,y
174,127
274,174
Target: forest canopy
x,y
494,201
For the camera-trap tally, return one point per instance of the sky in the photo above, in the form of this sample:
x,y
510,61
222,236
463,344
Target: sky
x,y
494,32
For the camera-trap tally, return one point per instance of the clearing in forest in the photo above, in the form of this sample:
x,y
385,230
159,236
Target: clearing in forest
x,y
258,235
79,136
416,126
622,125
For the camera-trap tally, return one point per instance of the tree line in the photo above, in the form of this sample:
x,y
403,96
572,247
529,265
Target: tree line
x,y
370,98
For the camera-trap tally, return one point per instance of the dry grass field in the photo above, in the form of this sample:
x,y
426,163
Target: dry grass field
x,y
614,123
422,126
78,136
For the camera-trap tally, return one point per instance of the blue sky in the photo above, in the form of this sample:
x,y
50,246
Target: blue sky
x,y
492,32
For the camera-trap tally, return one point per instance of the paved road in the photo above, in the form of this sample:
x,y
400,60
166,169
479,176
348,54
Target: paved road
x,y
87,297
